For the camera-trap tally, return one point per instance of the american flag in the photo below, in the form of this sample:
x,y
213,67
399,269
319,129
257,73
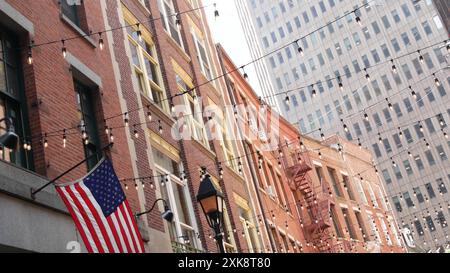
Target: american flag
x,y
101,212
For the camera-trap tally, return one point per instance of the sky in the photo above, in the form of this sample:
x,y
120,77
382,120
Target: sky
x,y
227,31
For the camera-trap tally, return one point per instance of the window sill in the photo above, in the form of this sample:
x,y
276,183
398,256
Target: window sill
x,y
161,113
208,152
77,29
179,49
235,174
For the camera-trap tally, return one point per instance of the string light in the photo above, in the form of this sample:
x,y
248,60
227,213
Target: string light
x,y
341,86
287,100
64,50
299,48
313,91
125,120
64,138
391,107
178,20
436,80
394,68
136,133
322,135
138,32
216,12
111,136
100,41
366,116
160,128
345,126
421,59
367,75
45,141
244,73
30,55
358,20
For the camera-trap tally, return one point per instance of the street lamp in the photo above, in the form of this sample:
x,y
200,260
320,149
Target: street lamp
x,y
167,214
211,200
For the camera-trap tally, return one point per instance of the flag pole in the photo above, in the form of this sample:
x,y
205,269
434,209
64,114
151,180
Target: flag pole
x,y
35,191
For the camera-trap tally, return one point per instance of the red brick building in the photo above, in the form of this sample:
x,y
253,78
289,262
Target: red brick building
x,y
316,196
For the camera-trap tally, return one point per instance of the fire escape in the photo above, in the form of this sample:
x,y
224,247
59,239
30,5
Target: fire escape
x,y
315,201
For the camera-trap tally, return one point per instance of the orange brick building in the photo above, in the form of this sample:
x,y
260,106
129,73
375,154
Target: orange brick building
x,y
315,196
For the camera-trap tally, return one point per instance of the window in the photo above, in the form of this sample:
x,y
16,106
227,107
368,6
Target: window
x,y
430,191
408,105
146,68
405,39
430,158
195,114
86,110
441,186
203,57
336,224
395,16
386,22
167,9
348,187
349,224
441,219
12,99
419,163
405,10
441,153
418,194
419,227
408,200
250,230
408,167
361,225
334,182
183,228
361,193
75,13
397,204
430,223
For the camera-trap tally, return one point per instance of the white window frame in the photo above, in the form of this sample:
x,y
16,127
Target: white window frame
x,y
202,62
172,201
148,83
169,19
197,126
372,195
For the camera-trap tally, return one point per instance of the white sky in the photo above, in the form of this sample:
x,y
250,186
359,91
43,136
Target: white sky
x,y
227,31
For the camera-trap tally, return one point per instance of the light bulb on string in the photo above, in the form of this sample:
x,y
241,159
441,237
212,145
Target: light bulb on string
x,y
367,75
287,100
341,86
244,73
45,141
344,126
178,20
313,91
216,12
100,41
30,55
413,93
421,59
391,107
400,133
299,48
445,134
322,135
394,68
136,133
138,32
160,128
436,80
358,20
111,136
366,116
64,49
64,138
107,129
125,120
